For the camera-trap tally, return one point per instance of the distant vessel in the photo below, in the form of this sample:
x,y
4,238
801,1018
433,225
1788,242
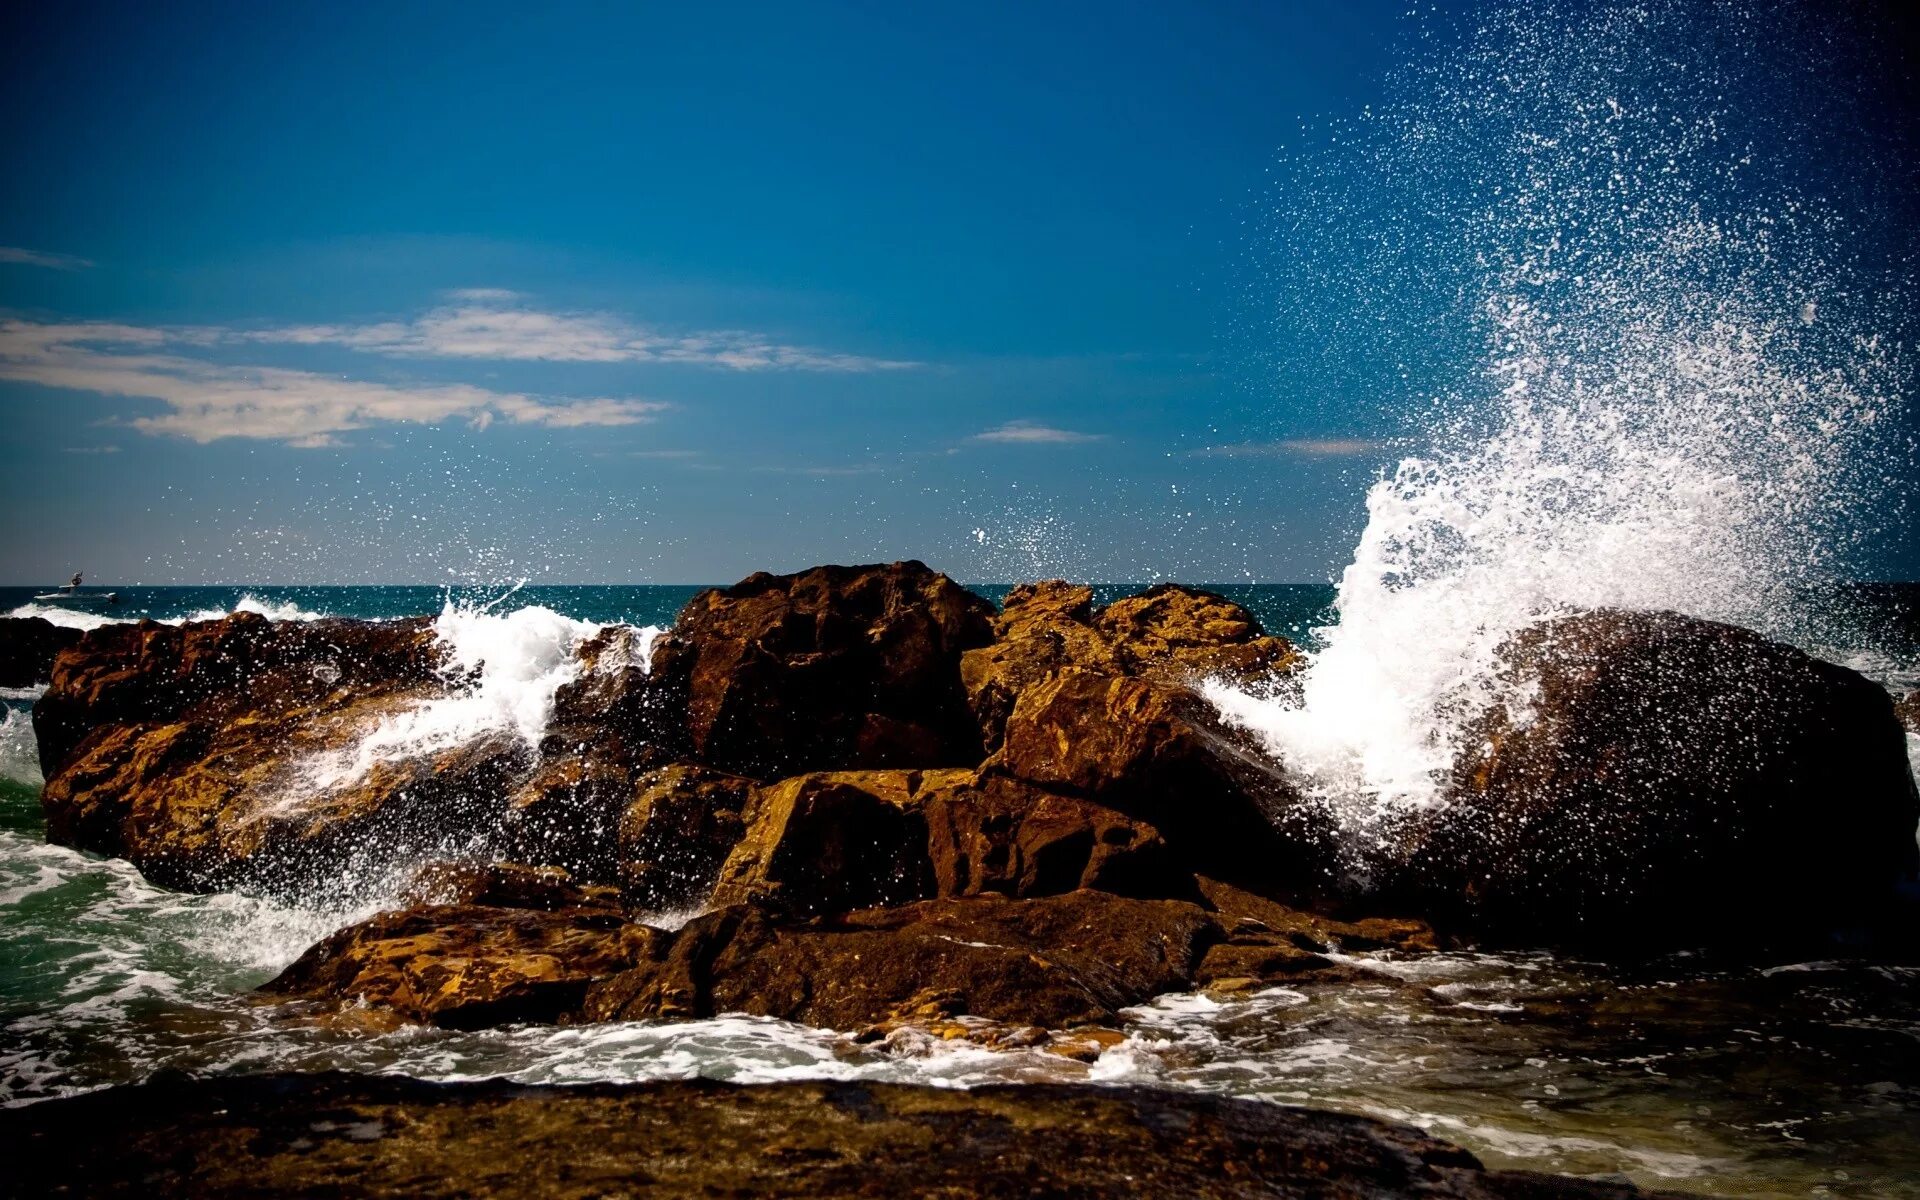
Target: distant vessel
x,y
71,594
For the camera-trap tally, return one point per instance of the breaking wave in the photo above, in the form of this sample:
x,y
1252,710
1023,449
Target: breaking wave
x,y
1682,392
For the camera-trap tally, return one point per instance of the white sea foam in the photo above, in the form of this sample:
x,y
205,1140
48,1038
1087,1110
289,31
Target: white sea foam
x,y
504,670
19,754
65,617
273,610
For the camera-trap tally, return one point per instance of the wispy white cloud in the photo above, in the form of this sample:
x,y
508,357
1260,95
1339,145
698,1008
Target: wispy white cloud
x,y
1032,433
93,449
205,401
491,323
1307,447
20,256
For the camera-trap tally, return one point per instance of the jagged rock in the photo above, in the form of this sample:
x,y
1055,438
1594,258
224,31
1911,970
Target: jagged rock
x,y
1241,910
1907,708
327,1133
505,885
1664,781
1168,618
28,646
834,841
836,668
1160,753
676,833
1043,628
1054,961
856,839
466,966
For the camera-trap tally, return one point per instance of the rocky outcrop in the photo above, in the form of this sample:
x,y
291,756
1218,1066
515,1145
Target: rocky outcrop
x,y
28,646
466,966
1661,781
837,668
676,833
519,944
332,1133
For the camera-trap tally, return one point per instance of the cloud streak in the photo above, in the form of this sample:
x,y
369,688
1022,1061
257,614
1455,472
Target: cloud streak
x,y
19,256
1290,447
489,323
1032,433
206,401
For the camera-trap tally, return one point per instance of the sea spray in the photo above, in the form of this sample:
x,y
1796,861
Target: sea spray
x,y
1675,384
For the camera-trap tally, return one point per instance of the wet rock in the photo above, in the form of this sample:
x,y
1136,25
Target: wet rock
x,y
1907,708
1043,628
676,833
834,841
1160,753
221,753
836,668
1168,618
325,1133
1665,781
505,885
466,966
28,646
1055,962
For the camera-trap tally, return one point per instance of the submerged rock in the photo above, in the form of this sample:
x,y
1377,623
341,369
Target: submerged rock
x,y
28,646
1659,781
328,1133
836,668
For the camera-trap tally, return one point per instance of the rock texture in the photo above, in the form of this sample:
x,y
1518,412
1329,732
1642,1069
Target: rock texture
x,y
1667,781
338,1134
836,668
28,646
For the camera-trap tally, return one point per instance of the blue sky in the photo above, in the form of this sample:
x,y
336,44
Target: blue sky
x,y
411,293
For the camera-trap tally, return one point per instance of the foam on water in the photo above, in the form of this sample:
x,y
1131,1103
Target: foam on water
x,y
1684,391
273,610
19,754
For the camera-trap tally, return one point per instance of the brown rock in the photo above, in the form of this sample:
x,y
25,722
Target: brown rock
x,y
1907,708
857,839
1168,618
1160,753
382,1135
831,669
467,966
1673,782
834,841
28,646
504,885
1043,629
675,834
1054,961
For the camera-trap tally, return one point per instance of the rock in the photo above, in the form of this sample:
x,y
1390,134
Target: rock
x,y
1043,629
1671,782
1167,619
505,885
1242,910
834,841
224,753
1054,961
465,966
836,668
28,646
1160,753
1907,708
676,833
328,1133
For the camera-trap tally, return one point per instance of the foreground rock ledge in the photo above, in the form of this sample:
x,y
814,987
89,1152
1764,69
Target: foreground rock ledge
x,y
339,1134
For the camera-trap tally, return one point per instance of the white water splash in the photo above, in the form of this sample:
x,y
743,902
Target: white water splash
x,y
505,670
1684,389
273,610
19,753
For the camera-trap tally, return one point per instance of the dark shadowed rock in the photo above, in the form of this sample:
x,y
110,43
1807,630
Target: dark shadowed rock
x,y
1672,782
835,668
1055,962
28,646
333,1134
468,965
676,832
